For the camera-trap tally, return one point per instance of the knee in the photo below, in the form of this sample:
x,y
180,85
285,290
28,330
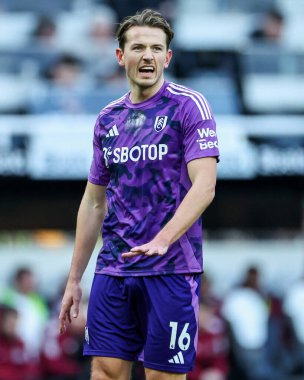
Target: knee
x,y
101,374
97,375
101,371
110,369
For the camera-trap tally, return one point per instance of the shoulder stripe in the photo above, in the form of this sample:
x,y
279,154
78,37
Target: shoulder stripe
x,y
193,98
197,97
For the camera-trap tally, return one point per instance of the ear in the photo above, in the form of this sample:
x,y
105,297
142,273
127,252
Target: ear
x,y
120,57
168,58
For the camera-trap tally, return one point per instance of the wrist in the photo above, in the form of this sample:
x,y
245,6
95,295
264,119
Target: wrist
x,y
74,279
164,237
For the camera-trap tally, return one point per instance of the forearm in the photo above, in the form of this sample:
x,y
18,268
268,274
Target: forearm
x,y
193,205
89,221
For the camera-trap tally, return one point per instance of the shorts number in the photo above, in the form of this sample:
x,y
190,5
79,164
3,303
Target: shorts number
x,y
184,338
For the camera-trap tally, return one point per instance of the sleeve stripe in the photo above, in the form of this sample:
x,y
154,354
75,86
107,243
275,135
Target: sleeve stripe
x,y
197,97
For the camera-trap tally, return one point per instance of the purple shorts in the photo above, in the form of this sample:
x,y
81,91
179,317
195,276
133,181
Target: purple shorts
x,y
153,319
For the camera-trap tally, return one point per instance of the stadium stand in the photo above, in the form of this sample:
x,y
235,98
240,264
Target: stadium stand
x,y
250,85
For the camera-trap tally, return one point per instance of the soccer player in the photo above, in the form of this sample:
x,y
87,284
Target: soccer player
x,y
153,174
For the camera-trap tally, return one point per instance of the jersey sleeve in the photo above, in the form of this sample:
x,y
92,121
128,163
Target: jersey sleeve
x,y
200,138
98,174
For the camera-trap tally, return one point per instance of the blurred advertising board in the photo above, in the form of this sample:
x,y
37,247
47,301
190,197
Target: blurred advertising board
x,y
56,147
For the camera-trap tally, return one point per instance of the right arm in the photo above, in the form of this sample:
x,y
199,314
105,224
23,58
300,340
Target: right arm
x,y
90,217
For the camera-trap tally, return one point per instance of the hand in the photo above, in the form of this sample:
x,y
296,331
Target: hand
x,y
157,246
71,298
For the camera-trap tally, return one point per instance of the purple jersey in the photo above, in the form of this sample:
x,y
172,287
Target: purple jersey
x,y
141,153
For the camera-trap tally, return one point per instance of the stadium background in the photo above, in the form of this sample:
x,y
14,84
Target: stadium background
x,y
57,70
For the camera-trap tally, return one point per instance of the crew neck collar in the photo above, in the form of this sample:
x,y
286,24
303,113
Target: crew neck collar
x,y
148,101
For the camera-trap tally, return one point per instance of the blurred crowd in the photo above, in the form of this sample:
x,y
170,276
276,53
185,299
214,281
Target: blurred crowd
x,y
248,333
59,56
30,345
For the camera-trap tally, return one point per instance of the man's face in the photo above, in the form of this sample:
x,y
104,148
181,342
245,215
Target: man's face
x,y
145,56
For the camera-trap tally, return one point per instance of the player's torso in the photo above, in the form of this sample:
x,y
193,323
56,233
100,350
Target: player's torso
x,y
134,139
143,149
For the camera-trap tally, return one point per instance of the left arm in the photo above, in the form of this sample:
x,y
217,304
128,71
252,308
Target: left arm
x,y
202,173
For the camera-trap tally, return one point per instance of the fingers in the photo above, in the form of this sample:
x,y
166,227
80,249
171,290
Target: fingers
x,y
62,326
135,251
76,308
64,316
145,250
141,248
128,255
65,313
160,251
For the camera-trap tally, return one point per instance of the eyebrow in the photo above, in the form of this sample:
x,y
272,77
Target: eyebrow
x,y
142,44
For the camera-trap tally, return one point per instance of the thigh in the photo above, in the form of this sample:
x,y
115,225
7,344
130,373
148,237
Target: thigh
x,y
110,368
172,326
111,329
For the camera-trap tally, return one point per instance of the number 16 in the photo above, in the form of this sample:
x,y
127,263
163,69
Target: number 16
x,y
184,338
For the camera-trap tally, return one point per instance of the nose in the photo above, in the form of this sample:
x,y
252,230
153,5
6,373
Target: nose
x,y
148,56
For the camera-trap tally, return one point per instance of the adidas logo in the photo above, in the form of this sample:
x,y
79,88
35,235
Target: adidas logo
x,y
177,359
113,131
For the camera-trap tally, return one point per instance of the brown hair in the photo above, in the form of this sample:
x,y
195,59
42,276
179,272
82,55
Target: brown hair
x,y
147,17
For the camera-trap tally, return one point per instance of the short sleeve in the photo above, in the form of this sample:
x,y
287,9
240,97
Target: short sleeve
x,y
200,138
98,174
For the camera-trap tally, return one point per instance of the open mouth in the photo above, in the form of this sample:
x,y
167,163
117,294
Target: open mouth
x,y
147,69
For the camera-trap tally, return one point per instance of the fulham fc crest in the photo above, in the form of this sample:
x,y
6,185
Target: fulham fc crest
x,y
160,123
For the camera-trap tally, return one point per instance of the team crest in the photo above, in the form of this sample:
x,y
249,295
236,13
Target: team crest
x,y
160,123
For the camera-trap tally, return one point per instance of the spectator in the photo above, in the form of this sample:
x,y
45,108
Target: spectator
x,y
293,308
206,290
65,89
61,355
101,45
271,29
44,32
65,72
31,307
212,348
252,280
14,362
247,313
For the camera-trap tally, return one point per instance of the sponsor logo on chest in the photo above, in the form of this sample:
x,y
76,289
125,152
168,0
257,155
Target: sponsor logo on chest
x,y
140,152
149,152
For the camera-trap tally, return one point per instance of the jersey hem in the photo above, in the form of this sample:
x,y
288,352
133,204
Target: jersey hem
x,y
96,182
110,355
141,273
197,156
167,368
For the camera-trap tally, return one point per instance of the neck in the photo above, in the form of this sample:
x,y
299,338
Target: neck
x,y
139,94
